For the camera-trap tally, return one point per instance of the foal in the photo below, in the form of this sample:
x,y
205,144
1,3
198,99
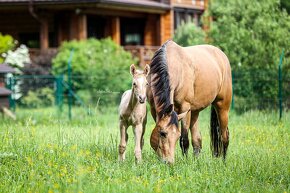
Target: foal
x,y
132,111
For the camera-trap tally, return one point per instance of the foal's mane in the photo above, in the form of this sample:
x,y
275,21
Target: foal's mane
x,y
160,83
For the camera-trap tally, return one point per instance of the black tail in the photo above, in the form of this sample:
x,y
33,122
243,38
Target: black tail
x,y
215,135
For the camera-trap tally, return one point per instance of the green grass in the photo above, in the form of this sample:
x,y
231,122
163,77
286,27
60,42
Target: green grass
x,y
44,152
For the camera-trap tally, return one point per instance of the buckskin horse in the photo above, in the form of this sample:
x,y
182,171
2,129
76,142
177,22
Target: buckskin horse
x,y
132,111
184,81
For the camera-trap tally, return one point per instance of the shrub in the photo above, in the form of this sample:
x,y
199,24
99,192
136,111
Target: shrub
x,y
18,58
43,97
6,43
97,65
188,34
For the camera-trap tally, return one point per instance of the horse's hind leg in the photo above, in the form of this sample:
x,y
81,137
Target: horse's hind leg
x,y
195,134
184,142
223,116
223,119
123,140
138,131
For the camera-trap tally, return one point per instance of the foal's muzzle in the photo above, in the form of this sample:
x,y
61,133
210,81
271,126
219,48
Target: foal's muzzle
x,y
142,99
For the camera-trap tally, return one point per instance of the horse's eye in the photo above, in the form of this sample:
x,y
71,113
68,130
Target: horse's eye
x,y
163,134
134,84
147,84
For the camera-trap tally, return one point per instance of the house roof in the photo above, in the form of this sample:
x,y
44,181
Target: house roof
x,y
133,5
144,3
4,68
4,92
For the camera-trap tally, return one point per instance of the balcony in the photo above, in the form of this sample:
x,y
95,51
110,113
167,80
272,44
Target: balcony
x,y
144,54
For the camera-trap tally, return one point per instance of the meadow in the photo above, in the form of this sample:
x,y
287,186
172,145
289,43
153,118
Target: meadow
x,y
44,152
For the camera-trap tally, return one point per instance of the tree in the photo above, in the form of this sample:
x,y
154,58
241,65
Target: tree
x,y
188,34
253,35
285,4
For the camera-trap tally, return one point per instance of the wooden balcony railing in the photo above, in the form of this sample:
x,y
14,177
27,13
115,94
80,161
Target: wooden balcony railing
x,y
143,53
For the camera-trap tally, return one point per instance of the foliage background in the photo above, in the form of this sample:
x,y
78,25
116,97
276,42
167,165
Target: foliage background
x,y
188,34
6,43
253,35
97,65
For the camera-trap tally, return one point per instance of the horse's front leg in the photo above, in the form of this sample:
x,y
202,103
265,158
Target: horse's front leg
x,y
123,140
138,132
195,134
184,142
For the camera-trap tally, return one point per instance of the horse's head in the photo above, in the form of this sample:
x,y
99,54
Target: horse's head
x,y
166,133
139,83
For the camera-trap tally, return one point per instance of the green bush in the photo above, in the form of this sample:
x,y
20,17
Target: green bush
x,y
6,44
43,97
97,65
188,34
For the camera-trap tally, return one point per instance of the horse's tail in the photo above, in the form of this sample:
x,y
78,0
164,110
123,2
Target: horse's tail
x,y
215,134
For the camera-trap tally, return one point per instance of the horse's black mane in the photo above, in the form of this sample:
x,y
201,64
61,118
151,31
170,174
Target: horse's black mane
x,y
160,83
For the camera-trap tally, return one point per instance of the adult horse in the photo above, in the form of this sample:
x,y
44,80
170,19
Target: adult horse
x,y
183,81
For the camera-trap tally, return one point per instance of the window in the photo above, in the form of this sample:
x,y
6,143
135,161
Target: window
x,y
186,15
96,26
132,31
31,40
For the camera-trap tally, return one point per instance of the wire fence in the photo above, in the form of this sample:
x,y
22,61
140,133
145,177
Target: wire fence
x,y
251,90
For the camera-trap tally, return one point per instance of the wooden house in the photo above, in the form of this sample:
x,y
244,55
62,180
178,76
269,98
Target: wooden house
x,y
138,25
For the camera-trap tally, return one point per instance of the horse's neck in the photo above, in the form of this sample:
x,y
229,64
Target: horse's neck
x,y
133,100
134,105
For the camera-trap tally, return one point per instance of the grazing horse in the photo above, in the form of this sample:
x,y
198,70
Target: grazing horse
x,y
132,111
184,81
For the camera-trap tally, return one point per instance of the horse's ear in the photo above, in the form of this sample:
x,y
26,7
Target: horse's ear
x,y
146,69
132,69
168,110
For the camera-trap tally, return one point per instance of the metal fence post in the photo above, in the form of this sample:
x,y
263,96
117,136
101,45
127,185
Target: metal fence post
x,y
280,85
59,92
233,93
10,86
69,84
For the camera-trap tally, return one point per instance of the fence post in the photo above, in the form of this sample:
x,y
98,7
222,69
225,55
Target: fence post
x,y
10,86
233,93
280,85
69,84
59,92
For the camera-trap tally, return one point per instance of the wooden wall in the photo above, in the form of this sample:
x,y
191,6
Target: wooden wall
x,y
166,27
68,25
151,31
188,3
15,22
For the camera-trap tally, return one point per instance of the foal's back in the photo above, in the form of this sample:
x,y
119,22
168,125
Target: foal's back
x,y
124,108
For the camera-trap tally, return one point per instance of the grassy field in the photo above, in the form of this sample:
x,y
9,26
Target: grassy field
x,y
44,152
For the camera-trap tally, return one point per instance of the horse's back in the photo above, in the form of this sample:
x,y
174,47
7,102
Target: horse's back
x,y
201,69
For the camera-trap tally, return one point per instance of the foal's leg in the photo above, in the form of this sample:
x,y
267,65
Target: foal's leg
x,y
138,131
123,140
184,142
195,134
